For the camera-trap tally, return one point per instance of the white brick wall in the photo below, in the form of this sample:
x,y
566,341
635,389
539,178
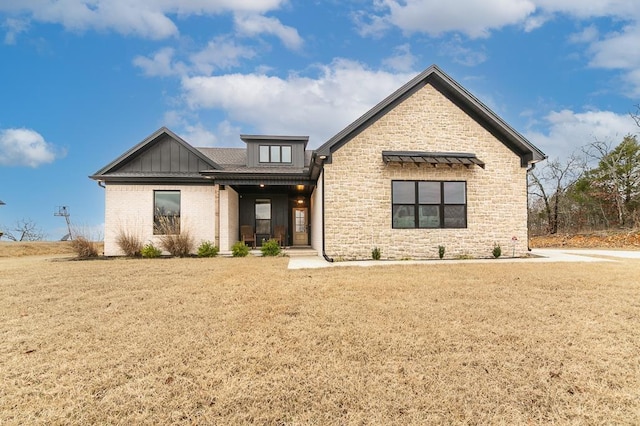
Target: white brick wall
x,y
358,185
316,217
229,221
130,208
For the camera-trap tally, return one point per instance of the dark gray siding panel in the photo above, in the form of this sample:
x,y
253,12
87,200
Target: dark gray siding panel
x,y
166,155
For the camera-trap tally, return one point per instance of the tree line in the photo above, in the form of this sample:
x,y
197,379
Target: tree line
x,y
597,187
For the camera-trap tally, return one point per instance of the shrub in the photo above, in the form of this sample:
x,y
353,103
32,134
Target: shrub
x,y
178,242
84,248
129,243
375,253
497,251
441,251
207,249
150,251
270,248
239,249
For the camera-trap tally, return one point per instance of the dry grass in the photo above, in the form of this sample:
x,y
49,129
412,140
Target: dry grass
x,y
243,340
39,248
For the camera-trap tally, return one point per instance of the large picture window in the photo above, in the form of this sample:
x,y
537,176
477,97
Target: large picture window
x,y
275,154
429,204
166,212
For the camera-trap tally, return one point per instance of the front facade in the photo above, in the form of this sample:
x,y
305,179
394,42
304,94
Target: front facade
x,y
429,166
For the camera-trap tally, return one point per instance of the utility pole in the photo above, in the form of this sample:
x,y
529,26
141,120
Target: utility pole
x,y
64,212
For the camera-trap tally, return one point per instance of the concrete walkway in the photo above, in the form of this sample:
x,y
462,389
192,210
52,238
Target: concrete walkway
x,y
538,256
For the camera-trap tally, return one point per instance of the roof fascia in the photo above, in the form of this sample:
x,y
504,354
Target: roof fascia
x,y
442,82
145,144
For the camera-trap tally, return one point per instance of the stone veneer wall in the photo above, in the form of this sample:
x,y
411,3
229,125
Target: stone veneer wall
x,y
130,208
358,186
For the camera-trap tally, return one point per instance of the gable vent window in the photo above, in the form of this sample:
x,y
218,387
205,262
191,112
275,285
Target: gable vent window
x,y
429,204
166,212
275,153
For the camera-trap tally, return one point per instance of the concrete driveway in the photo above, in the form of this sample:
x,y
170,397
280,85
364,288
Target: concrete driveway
x,y
537,256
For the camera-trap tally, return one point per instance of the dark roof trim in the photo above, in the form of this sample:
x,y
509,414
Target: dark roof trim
x,y
148,180
275,138
447,86
432,158
99,175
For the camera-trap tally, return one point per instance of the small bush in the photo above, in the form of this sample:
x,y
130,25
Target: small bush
x,y
179,244
376,253
239,249
150,251
130,244
441,251
207,249
84,248
270,248
497,251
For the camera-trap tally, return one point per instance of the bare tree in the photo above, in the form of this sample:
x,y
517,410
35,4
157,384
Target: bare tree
x,y
25,230
551,182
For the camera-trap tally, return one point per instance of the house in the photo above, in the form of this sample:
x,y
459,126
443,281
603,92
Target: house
x,y
428,166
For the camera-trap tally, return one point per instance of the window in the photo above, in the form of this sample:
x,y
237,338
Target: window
x,y
275,154
429,204
263,217
166,212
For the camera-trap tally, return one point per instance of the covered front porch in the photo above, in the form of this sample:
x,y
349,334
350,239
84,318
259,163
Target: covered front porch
x,y
280,212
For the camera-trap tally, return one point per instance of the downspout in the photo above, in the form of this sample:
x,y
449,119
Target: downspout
x,y
530,169
101,184
324,253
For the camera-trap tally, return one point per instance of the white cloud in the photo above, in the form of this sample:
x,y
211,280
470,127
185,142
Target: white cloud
x,y
199,135
475,18
160,64
220,53
14,26
26,147
462,55
318,107
252,25
149,18
403,60
587,35
569,130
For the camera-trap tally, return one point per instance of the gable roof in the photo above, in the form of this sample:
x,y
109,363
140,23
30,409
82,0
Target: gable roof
x,y
145,160
433,75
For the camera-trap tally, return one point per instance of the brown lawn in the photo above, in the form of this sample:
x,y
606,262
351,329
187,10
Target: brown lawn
x,y
236,341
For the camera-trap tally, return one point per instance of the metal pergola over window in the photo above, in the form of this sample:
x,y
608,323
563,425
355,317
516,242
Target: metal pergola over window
x,y
432,158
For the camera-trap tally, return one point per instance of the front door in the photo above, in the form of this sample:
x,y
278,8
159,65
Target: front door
x,y
300,227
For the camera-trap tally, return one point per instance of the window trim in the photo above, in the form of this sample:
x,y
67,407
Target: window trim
x,y
441,205
270,155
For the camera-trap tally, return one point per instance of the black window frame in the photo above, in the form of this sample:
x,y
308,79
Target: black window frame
x,y
417,204
271,156
172,221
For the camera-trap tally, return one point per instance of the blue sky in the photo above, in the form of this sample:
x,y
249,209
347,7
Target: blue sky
x,y
82,81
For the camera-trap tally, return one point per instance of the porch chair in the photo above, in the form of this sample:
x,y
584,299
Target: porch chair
x,y
279,234
247,235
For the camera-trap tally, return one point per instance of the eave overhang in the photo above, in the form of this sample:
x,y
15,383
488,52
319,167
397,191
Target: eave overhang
x,y
146,179
252,178
432,159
